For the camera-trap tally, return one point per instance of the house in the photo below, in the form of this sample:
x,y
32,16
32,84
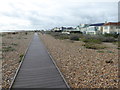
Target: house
x,y
99,28
56,29
82,28
90,28
111,27
95,28
71,30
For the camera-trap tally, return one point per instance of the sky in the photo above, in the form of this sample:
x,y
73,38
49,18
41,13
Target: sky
x,y
47,14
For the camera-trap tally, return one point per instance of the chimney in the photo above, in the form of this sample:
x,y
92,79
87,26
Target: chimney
x,y
105,22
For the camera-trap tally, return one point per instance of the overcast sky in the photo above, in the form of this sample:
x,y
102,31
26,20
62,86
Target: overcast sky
x,y
46,14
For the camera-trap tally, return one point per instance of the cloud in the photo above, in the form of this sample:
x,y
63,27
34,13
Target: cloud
x,y
45,14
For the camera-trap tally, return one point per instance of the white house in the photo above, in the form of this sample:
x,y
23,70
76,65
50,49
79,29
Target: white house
x,y
111,27
57,29
82,28
95,28
91,28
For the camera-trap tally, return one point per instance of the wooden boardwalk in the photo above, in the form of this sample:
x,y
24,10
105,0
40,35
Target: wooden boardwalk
x,y
38,69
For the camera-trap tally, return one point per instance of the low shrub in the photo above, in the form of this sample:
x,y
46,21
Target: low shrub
x,y
100,38
109,39
14,44
15,33
47,32
26,33
118,43
62,36
92,41
100,51
109,61
2,34
59,35
21,56
111,35
110,52
8,48
74,37
93,46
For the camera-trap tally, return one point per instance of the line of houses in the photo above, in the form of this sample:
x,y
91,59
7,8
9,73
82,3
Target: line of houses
x,y
98,28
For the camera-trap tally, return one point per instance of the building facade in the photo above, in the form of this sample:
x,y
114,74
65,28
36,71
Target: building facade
x,y
111,27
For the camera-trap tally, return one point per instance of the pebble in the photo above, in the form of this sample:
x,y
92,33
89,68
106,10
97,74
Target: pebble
x,y
89,65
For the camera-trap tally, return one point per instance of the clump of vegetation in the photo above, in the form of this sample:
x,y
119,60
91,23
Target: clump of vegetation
x,y
15,33
92,41
109,39
25,38
93,46
2,34
3,44
26,33
110,52
109,61
10,37
64,36
96,39
59,35
100,51
105,51
8,48
21,56
118,44
101,38
74,37
18,38
111,35
14,44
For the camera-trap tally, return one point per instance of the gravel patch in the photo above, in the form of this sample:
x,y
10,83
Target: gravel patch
x,y
81,67
13,46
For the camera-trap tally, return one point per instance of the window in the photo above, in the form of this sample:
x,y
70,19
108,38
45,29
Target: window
x,y
111,27
118,27
106,27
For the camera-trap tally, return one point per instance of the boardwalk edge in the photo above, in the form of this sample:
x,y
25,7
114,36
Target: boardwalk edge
x,y
55,63
20,65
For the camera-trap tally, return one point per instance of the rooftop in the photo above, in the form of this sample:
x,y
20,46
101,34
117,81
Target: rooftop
x,y
112,23
98,24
